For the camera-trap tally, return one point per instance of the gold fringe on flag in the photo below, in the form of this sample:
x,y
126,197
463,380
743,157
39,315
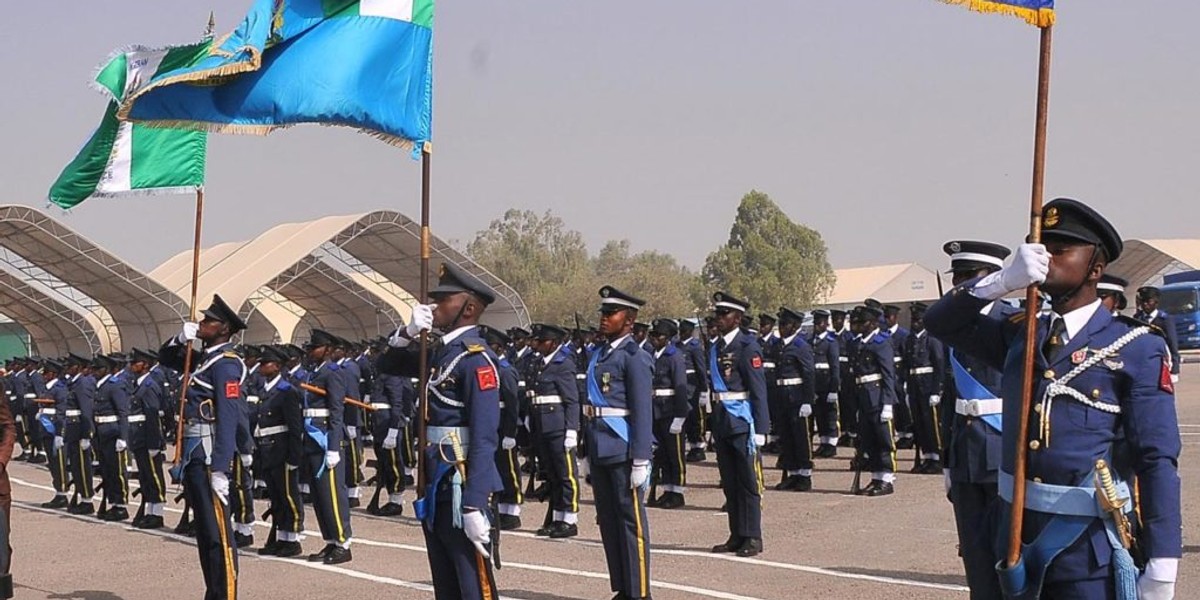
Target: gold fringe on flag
x,y
1038,17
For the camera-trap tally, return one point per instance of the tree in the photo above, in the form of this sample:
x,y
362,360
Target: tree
x,y
656,277
769,260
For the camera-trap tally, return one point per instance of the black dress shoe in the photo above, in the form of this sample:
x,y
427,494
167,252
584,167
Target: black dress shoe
x,y
671,500
846,441
83,508
188,529
788,484
38,459
288,549
931,467
243,541
751,547
803,484
544,531
270,549
391,509
338,556
116,513
825,451
509,522
771,448
57,502
354,502
149,522
409,481
261,494
731,545
560,530
879,488
696,455
904,443
320,556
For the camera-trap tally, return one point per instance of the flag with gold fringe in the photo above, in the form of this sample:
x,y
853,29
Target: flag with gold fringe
x,y
1039,13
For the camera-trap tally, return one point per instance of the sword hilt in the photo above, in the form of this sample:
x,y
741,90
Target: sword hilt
x,y
1112,503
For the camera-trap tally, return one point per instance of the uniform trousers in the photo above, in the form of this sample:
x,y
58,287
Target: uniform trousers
x,y
669,454
152,486
214,533
624,530
459,571
975,506
329,499
283,488
742,483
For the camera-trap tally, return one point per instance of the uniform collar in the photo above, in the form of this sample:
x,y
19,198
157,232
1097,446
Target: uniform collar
x,y
143,378
920,334
658,353
1150,316
621,340
869,335
453,335
1077,319
292,371
217,348
101,382
271,384
788,341
523,351
549,357
732,335
894,328
51,383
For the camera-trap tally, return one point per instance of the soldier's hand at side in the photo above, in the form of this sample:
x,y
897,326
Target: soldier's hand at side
x,y
676,425
760,440
332,459
886,414
832,398
935,400
58,442
570,440
247,460
478,530
85,444
220,486
805,411
508,443
120,446
639,475
389,442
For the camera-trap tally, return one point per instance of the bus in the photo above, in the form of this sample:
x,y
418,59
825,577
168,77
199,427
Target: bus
x,y
1181,300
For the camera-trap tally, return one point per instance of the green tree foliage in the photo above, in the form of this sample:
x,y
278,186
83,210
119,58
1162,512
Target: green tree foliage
x,y
653,276
770,260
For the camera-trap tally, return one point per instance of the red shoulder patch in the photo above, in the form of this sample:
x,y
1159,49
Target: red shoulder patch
x,y
486,378
756,362
233,389
1164,377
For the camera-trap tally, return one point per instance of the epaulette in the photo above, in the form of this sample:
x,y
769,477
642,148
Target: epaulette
x,y
1017,317
1132,322
283,385
879,338
632,348
475,348
231,354
671,350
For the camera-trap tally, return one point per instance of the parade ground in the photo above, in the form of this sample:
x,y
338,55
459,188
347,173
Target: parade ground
x,y
821,544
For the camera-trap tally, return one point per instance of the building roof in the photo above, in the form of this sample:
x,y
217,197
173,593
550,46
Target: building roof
x,y
1145,262
898,283
54,328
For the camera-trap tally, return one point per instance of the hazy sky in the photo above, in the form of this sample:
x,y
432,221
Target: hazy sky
x,y
888,125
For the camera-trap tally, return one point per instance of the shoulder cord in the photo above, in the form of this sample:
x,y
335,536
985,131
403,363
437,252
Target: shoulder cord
x,y
1059,386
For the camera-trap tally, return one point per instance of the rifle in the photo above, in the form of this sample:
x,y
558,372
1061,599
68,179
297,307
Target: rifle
x,y
273,535
373,505
856,487
347,400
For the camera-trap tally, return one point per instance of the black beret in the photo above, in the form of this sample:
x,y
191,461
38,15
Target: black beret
x,y
1065,218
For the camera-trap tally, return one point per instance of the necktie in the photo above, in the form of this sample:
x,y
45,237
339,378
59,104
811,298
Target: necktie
x,y
1055,339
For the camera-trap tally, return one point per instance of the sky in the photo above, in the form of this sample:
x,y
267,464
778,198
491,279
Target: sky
x,y
890,126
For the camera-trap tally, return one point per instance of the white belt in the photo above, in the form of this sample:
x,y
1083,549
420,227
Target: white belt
x,y
920,370
195,430
540,400
520,383
48,411
107,419
137,418
844,359
868,378
268,431
768,365
664,393
29,396
979,408
18,419
897,359
732,396
790,381
72,412
437,434
316,413
501,405
689,371
821,366
381,406
600,412
581,376
252,399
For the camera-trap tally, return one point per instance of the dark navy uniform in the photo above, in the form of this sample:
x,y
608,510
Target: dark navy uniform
x,y
279,439
671,408
697,378
739,414
393,399
553,396
49,416
827,366
847,397
619,417
796,381
1165,323
925,374
875,392
352,443
146,440
508,501
112,433
76,424
903,422
324,431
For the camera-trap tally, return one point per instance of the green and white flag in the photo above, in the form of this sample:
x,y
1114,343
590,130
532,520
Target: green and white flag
x,y
123,158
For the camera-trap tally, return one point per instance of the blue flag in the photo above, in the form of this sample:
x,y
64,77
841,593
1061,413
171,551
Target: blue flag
x,y
366,64
1039,13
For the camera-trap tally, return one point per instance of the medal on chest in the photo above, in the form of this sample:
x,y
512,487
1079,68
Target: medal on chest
x,y
727,365
605,382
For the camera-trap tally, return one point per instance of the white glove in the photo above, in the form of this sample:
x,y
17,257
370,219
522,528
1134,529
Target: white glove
x,y
1174,379
220,486
570,440
760,440
332,459
121,446
247,460
935,400
1150,585
676,425
154,453
189,332
58,442
525,422
508,443
639,475
832,398
85,444
1031,263
805,411
352,432
886,414
389,442
946,480
398,339
478,530
422,320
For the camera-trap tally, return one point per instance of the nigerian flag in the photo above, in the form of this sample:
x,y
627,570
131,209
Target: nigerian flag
x,y
123,158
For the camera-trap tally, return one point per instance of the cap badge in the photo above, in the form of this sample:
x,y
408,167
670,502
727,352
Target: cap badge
x,y
955,247
1051,218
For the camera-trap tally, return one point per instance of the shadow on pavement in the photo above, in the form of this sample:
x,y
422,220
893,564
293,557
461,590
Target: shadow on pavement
x,y
84,595
941,578
527,595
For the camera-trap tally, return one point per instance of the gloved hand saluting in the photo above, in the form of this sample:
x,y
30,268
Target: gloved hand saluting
x,y
1030,265
189,332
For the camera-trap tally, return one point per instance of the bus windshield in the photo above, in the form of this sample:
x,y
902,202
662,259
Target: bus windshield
x,y
1179,302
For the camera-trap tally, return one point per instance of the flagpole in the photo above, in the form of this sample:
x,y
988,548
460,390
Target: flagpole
x,y
423,359
187,357
1017,508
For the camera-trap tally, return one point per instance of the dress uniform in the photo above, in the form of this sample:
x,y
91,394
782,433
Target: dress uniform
x,y
795,381
925,374
827,366
352,443
1148,312
847,396
903,423
22,395
211,416
508,502
739,422
1111,290
78,429
619,419
1105,394
279,444
49,417
36,432
554,415
971,426
696,426
462,425
393,399
324,431
670,414
146,440
112,435
253,390
241,495
768,339
875,392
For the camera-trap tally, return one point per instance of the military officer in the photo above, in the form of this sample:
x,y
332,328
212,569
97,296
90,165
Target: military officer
x,y
1105,409
49,417
796,381
33,425
325,430
554,416
768,339
847,396
670,414
903,423
1111,290
22,395
211,417
740,421
641,331
463,421
619,419
352,444
875,392
696,426
279,441
146,439
78,429
112,435
925,373
394,399
971,429
826,365
1148,312
508,502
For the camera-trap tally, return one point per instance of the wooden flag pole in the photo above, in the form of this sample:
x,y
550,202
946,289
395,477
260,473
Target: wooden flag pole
x,y
1017,508
187,357
423,359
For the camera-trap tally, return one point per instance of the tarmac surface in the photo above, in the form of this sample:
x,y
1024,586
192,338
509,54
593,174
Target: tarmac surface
x,y
820,544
